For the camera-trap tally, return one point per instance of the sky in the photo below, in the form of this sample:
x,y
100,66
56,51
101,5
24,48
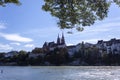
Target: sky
x,y
27,26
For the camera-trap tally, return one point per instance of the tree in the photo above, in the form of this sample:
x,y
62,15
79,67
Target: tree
x,y
37,50
58,56
2,57
4,2
74,13
22,58
78,13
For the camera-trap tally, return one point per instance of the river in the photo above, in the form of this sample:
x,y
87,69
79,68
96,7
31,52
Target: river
x,y
60,73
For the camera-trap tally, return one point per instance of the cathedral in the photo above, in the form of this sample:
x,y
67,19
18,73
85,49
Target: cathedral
x,y
60,43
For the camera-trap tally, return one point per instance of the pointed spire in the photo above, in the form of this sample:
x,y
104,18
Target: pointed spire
x,y
58,35
62,35
45,44
58,39
62,40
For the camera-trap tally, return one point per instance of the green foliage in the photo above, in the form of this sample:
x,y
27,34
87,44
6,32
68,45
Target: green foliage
x,y
22,58
37,50
2,57
74,13
22,52
78,13
35,61
92,55
4,2
58,56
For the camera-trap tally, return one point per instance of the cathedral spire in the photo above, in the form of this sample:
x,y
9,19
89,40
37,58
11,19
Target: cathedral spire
x,y
58,39
63,39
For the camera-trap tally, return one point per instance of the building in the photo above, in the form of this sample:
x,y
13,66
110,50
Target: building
x,y
71,50
11,54
50,46
111,46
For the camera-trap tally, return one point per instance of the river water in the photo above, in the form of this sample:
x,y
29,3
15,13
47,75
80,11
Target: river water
x,y
60,73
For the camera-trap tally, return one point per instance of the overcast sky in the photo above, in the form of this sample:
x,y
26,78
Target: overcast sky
x,y
27,26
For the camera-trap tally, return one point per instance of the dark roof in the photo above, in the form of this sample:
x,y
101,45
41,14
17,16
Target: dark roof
x,y
100,42
110,42
73,46
52,44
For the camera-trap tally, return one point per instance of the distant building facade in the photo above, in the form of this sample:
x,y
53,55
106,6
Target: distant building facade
x,y
111,46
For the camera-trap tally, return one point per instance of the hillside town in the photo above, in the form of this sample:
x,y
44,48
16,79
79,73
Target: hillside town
x,y
58,53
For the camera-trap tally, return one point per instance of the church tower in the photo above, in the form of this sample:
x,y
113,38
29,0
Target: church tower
x,y
45,47
63,39
58,40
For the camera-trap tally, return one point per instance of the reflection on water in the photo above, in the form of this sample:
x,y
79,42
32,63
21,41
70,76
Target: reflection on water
x,y
60,73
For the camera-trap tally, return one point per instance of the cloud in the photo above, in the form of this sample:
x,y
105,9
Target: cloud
x,y
29,45
111,20
93,39
50,31
2,26
99,29
15,37
111,24
5,47
15,43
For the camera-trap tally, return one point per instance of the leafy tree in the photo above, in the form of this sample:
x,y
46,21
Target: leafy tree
x,y
22,58
22,52
77,54
58,56
92,56
1,57
37,50
4,2
74,13
35,61
78,13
